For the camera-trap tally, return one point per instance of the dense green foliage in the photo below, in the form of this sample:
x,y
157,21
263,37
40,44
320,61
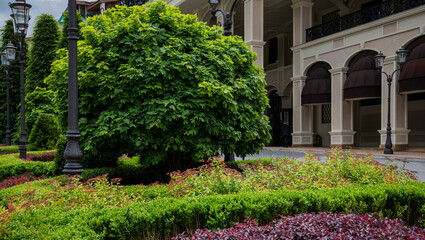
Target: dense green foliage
x,y
161,84
42,52
8,149
41,55
7,35
11,165
45,133
59,158
37,102
99,210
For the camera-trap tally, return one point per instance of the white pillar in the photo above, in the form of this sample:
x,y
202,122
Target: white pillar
x,y
342,133
254,28
302,135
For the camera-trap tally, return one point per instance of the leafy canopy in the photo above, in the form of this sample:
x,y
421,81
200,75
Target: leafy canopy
x,y
158,83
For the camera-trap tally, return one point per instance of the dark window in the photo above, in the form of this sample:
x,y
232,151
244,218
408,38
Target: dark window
x,y
326,113
370,102
273,51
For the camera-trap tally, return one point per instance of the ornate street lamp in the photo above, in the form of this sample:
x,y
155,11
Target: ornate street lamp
x,y
227,25
21,17
73,153
379,60
7,57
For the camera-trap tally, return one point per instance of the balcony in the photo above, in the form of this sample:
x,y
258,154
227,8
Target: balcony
x,y
130,3
337,24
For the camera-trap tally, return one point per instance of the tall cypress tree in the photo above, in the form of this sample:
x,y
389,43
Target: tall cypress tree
x,y
41,55
7,35
42,51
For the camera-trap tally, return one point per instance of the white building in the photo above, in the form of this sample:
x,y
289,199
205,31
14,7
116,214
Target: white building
x,y
320,73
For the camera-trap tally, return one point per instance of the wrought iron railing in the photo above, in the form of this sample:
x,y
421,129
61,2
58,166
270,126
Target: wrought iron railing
x,y
382,10
129,3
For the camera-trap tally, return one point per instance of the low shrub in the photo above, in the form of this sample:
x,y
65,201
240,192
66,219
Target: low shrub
x,y
79,210
45,133
43,157
16,180
341,168
9,149
315,226
59,158
11,165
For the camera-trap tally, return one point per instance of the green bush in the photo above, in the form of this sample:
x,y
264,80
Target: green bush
x,y
45,133
14,149
135,218
59,159
160,84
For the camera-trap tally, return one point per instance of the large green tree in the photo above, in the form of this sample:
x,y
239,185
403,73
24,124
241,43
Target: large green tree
x,y
7,35
41,55
158,83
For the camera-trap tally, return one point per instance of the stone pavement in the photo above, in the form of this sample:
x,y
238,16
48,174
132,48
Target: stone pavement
x,y
413,159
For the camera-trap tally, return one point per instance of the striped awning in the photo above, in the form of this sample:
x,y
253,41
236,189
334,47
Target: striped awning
x,y
412,77
317,89
363,81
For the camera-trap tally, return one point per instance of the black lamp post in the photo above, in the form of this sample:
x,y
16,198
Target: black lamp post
x,y
7,57
227,25
73,153
21,17
401,58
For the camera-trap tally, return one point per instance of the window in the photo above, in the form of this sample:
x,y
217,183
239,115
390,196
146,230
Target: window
x,y
326,113
273,51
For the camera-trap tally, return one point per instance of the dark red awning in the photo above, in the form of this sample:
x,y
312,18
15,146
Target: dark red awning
x,y
364,81
412,77
317,88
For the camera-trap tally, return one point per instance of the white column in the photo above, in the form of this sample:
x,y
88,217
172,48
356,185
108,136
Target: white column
x,y
342,133
254,28
399,111
302,135
302,19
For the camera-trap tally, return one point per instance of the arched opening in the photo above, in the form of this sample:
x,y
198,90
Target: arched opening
x,y
363,88
412,85
317,94
275,117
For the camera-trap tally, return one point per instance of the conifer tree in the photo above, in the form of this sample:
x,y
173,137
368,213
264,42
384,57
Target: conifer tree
x,y
42,51
7,35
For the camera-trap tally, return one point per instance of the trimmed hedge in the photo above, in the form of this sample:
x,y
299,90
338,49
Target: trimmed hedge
x,y
9,149
167,217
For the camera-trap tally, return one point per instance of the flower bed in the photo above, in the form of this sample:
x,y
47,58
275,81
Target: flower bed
x,y
315,226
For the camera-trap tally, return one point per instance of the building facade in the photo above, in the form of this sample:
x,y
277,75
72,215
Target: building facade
x,y
318,56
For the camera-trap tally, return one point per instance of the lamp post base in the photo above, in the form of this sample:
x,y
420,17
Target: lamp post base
x,y
388,151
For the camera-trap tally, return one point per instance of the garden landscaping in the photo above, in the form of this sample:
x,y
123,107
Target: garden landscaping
x,y
346,195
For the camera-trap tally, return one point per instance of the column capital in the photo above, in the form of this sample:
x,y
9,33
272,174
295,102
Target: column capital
x,y
255,43
339,70
301,3
298,78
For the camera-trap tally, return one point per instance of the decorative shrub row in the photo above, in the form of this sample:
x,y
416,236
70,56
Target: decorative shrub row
x,y
17,180
315,226
167,217
43,157
8,149
37,169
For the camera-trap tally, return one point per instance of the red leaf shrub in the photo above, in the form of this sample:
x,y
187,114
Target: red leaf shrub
x,y
16,180
44,157
317,226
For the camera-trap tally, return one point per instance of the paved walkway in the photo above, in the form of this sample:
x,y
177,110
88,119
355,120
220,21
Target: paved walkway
x,y
413,159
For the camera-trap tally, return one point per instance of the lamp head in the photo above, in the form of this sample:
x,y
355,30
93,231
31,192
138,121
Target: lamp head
x,y
379,60
214,3
401,56
20,15
4,62
10,52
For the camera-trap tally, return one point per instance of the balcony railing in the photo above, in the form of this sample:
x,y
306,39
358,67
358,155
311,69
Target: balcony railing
x,y
129,3
382,10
